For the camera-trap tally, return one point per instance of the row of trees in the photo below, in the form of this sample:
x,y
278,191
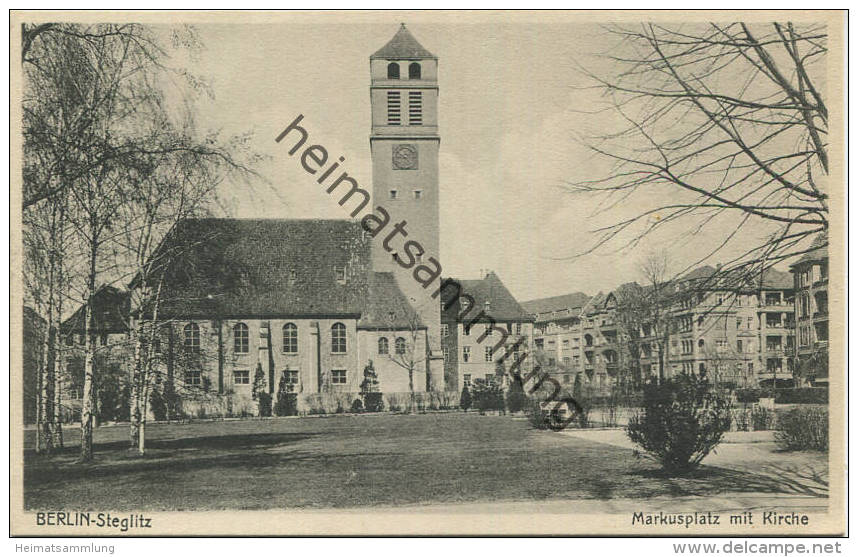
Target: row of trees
x,y
113,159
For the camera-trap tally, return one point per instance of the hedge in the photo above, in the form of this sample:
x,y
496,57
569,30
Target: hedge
x,y
805,395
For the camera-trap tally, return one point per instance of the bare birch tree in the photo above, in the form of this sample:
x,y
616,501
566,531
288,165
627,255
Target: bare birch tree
x,y
97,124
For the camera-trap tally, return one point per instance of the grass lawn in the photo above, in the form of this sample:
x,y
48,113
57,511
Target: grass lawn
x,y
351,461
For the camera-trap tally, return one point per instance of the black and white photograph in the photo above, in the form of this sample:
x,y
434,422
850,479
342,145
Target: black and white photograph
x,y
448,273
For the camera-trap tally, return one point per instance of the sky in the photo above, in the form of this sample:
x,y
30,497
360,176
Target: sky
x,y
512,104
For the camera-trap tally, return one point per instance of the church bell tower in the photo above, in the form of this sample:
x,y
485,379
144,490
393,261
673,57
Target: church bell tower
x,y
404,144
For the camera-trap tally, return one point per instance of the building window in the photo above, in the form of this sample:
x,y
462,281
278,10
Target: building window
x,y
293,275
445,330
241,377
446,354
394,109
415,108
466,330
488,354
241,338
466,354
392,194
518,328
488,305
104,339
290,338
418,194
192,338
156,345
567,379
414,70
383,346
393,71
739,346
466,380
193,377
338,377
340,273
291,376
400,346
338,338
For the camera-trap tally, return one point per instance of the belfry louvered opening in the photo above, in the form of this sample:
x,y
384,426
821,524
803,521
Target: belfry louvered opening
x,y
394,109
415,108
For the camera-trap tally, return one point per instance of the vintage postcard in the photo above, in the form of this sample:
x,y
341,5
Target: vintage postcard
x,y
428,273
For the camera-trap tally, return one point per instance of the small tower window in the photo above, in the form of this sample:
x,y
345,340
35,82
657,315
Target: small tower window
x,y
413,71
393,71
394,109
418,194
393,194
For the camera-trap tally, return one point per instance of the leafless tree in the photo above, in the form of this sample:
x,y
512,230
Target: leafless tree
x,y
724,129
408,347
98,128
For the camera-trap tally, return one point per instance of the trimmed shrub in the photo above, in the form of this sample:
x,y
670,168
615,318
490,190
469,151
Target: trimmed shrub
x,y
682,420
747,396
158,405
287,404
373,402
357,406
804,395
487,396
515,398
803,429
264,401
536,415
465,399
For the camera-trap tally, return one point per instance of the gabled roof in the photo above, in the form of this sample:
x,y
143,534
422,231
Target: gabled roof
x,y
266,267
818,250
704,272
387,307
403,46
543,307
111,311
502,305
776,280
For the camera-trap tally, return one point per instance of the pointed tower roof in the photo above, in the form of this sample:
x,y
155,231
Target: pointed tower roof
x,y
403,46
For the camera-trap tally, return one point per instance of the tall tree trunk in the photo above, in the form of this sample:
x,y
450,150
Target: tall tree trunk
x,y
86,413
44,432
136,375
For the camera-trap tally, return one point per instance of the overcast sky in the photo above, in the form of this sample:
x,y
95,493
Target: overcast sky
x,y
511,103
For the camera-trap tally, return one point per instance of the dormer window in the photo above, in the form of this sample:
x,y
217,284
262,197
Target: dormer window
x,y
413,71
488,305
340,273
393,71
293,275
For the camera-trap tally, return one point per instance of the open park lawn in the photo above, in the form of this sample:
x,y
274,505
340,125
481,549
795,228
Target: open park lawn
x,y
352,461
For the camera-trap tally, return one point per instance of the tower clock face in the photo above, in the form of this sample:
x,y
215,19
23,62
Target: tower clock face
x,y
404,157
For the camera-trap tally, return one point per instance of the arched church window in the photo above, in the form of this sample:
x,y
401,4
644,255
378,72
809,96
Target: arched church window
x,y
290,338
413,70
338,338
383,345
393,70
192,338
241,338
400,346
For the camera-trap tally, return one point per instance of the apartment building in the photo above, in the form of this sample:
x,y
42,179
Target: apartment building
x,y
810,279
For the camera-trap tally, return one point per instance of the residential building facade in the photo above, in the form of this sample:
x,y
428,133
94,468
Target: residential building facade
x,y
810,278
